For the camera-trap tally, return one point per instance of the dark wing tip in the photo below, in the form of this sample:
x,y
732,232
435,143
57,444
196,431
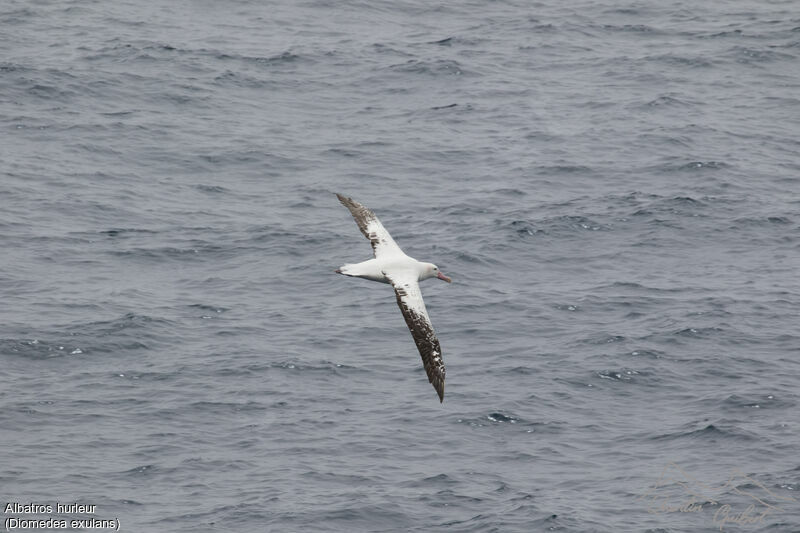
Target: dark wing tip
x,y
437,380
346,200
434,367
354,208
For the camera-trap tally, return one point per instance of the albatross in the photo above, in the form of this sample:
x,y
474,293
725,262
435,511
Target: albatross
x,y
391,265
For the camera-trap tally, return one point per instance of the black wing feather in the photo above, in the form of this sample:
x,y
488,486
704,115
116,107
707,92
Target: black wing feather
x,y
424,337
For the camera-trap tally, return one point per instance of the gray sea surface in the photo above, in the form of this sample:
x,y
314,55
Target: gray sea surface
x,y
614,188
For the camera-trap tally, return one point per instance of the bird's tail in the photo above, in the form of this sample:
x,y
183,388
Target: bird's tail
x,y
344,269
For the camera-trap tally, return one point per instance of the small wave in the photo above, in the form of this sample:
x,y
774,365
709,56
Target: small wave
x,y
759,222
6,66
702,165
692,166
647,353
677,205
439,479
555,522
720,34
147,470
567,307
500,417
636,287
680,61
631,28
710,432
603,338
279,59
213,189
326,367
563,169
129,332
700,332
524,370
19,15
667,101
509,191
127,322
240,79
438,67
449,106
560,225
753,55
116,232
200,251
720,334
625,374
227,408
40,349
211,308
737,402
382,48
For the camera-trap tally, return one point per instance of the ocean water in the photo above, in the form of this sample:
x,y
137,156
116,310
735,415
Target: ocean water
x,y
612,186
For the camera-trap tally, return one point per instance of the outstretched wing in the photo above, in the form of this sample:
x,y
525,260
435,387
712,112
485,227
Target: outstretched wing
x,y
409,298
371,227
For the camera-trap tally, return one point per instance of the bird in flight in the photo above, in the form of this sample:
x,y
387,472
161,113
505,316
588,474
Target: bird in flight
x,y
391,265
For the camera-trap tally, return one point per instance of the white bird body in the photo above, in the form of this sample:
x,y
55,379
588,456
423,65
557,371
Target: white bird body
x,y
391,265
373,269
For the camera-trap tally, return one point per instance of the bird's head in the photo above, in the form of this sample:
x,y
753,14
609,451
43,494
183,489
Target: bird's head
x,y
432,271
